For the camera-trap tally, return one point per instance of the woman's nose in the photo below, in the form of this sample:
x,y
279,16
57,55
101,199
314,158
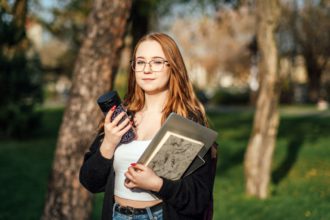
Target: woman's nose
x,y
147,68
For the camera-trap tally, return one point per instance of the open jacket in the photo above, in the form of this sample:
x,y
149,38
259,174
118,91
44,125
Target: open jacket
x,y
187,198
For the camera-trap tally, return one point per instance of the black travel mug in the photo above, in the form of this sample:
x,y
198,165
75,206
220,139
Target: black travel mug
x,y
106,102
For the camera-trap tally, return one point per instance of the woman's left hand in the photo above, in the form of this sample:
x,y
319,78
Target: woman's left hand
x,y
142,177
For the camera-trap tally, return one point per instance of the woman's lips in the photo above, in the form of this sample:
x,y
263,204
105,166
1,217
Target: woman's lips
x,y
147,79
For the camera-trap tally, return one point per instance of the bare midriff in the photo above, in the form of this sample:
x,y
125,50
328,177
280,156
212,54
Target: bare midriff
x,y
136,204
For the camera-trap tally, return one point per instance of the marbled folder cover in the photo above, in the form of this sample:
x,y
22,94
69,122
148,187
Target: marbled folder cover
x,y
176,145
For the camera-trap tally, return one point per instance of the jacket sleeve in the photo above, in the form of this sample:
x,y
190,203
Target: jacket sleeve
x,y
95,168
191,194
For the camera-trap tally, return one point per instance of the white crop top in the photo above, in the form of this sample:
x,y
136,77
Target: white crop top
x,y
124,155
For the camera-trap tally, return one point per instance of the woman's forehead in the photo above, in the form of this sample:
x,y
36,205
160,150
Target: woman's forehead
x,y
149,49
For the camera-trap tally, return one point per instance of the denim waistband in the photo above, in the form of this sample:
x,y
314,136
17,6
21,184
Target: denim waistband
x,y
127,210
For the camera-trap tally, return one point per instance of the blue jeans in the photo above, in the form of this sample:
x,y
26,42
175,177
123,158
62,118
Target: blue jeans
x,y
157,215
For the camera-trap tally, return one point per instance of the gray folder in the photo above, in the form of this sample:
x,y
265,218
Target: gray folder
x,y
189,160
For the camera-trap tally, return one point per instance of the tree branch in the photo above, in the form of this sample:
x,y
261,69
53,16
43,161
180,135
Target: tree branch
x,y
5,6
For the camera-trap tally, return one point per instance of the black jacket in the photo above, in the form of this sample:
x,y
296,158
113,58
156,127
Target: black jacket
x,y
189,198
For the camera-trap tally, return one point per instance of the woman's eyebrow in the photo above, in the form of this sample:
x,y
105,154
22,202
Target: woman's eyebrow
x,y
158,57
155,57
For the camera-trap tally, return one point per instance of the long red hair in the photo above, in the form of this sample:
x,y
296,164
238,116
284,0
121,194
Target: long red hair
x,y
181,97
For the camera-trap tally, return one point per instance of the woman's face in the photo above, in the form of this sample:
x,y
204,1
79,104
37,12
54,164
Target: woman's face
x,y
152,79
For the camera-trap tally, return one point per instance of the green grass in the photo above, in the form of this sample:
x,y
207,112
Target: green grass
x,y
300,177
25,166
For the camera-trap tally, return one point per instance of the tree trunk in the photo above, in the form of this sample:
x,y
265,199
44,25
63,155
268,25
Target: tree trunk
x,y
140,17
92,76
18,42
19,12
314,72
258,157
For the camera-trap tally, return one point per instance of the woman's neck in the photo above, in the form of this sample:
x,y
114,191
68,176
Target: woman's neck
x,y
155,102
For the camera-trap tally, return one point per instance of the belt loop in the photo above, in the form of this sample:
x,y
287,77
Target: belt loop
x,y
113,209
151,217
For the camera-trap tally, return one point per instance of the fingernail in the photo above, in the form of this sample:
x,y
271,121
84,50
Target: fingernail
x,y
133,164
113,108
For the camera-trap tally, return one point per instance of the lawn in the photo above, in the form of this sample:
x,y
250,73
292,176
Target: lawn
x,y
300,177
300,174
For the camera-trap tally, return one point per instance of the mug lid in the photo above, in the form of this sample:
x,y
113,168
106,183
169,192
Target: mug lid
x,y
107,100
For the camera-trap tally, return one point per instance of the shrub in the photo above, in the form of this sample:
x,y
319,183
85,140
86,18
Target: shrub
x,y
230,96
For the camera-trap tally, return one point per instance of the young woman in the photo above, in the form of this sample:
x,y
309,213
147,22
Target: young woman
x,y
158,85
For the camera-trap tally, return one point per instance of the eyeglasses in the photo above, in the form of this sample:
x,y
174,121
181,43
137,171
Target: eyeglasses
x,y
156,65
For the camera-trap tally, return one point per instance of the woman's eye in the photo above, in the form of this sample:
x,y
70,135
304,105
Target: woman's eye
x,y
140,62
158,62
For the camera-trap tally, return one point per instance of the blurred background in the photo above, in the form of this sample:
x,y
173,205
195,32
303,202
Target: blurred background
x,y
40,42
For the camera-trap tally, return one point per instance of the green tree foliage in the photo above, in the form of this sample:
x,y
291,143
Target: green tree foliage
x,y
20,84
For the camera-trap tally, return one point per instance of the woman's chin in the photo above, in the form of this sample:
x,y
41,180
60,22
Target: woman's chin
x,y
153,91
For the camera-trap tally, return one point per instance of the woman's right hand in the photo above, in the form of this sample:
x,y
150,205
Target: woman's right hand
x,y
113,131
